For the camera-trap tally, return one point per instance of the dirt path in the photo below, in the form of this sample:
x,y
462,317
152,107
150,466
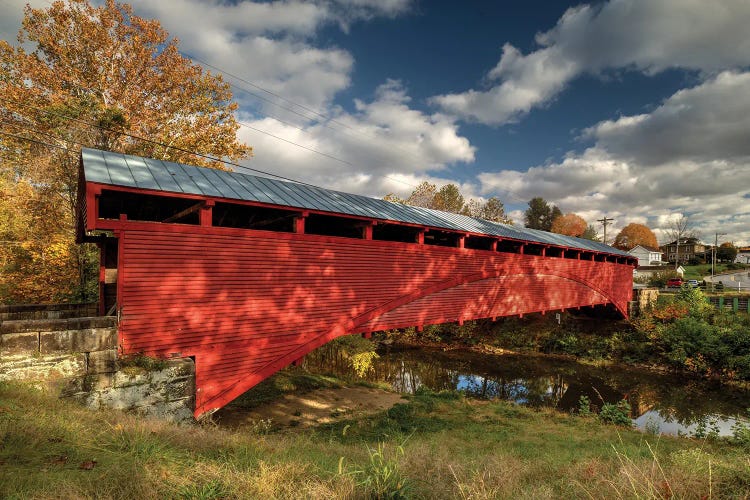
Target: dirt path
x,y
312,408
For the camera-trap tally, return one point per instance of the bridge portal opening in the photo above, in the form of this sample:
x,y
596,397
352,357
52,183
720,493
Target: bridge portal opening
x,y
250,217
148,208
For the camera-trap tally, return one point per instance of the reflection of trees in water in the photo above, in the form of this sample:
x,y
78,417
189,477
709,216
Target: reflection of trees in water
x,y
540,381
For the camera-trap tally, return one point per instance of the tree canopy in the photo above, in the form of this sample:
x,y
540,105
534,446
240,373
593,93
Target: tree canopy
x,y
726,252
99,77
540,214
569,225
449,199
635,234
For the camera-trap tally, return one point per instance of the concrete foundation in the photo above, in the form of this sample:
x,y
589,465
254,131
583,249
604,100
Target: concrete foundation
x,y
77,358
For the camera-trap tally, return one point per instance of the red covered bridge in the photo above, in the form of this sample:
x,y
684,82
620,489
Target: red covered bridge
x,y
247,274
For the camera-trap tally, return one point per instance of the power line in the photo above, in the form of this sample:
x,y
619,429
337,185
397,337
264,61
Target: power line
x,y
151,141
605,222
29,139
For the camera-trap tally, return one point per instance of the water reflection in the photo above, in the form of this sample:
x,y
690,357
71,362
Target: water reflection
x,y
661,403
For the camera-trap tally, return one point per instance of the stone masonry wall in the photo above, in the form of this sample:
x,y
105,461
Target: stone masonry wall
x,y
77,358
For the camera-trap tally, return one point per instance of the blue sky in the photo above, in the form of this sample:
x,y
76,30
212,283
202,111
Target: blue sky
x,y
638,109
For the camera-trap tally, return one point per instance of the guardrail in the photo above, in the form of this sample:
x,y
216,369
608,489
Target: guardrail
x,y
736,304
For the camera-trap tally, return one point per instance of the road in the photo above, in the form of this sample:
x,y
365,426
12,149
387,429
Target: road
x,y
734,281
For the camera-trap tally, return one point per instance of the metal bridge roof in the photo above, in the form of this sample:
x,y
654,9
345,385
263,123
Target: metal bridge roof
x,y
118,169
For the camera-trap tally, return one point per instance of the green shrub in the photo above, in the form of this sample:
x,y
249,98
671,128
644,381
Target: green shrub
x,y
618,414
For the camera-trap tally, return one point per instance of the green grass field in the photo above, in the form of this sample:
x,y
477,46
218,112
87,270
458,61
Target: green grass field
x,y
433,446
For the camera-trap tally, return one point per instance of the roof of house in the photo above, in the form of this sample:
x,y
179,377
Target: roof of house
x,y
145,173
650,249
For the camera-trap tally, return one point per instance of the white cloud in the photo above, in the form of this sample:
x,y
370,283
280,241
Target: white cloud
x,y
384,146
690,155
702,123
644,35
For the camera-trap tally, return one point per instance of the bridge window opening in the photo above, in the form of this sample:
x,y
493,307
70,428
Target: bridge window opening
x,y
149,208
479,242
533,249
509,246
441,238
600,258
249,217
554,252
328,225
395,232
571,254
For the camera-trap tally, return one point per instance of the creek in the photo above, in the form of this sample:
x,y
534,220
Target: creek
x,y
659,403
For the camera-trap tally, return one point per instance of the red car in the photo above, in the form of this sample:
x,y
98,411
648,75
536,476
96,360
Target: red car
x,y
674,282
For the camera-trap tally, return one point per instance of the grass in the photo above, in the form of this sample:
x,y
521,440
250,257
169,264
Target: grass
x,y
434,446
697,272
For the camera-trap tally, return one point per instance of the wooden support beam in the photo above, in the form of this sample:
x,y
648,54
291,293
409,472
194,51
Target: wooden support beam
x,y
493,245
520,251
183,213
420,237
461,241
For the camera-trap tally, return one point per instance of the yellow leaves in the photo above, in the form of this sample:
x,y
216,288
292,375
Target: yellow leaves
x,y
102,77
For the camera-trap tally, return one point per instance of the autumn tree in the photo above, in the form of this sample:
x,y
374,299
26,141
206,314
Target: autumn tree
x,y
726,252
494,210
423,195
448,199
569,225
590,233
540,214
679,229
100,77
635,234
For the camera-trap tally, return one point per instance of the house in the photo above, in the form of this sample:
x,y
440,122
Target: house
x,y
743,255
647,256
689,249
643,273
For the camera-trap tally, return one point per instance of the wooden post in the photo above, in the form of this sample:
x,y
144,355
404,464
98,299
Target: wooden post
x,y
299,222
493,245
102,275
520,249
206,213
367,232
461,241
420,237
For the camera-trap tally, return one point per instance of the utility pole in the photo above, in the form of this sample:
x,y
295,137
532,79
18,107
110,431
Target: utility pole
x,y
713,253
605,222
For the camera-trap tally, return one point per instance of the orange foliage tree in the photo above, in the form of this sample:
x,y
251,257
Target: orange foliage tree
x,y
569,225
100,77
635,234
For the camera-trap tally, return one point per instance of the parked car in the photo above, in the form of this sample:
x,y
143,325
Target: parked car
x,y
674,282
693,283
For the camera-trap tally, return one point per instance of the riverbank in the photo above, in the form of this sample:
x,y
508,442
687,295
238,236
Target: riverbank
x,y
682,333
432,445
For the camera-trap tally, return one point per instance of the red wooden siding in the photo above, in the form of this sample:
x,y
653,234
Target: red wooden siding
x,y
246,303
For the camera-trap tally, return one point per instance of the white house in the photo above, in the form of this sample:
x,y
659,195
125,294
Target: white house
x,y
646,256
645,272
